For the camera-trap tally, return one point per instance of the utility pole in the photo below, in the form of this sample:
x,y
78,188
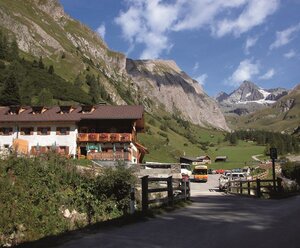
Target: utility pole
x,y
273,156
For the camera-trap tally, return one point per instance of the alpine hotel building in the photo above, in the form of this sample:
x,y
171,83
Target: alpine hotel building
x,y
100,132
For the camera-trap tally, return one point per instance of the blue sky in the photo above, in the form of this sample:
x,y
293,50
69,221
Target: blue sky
x,y
219,43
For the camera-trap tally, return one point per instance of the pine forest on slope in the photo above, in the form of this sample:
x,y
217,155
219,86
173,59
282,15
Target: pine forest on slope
x,y
42,29
61,61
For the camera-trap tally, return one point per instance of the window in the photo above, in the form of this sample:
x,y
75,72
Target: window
x,y
26,130
62,131
63,150
6,131
43,130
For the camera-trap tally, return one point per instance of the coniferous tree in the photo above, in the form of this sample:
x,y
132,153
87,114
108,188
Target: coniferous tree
x,y
10,93
233,140
2,45
45,98
94,91
51,69
13,51
35,64
78,81
4,51
41,64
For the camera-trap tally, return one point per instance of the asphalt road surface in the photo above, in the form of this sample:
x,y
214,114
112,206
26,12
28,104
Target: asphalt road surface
x,y
214,219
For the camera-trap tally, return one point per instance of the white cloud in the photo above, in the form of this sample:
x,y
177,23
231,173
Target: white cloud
x,y
101,30
245,71
197,14
268,75
147,23
253,15
145,20
196,66
290,54
201,79
285,36
250,42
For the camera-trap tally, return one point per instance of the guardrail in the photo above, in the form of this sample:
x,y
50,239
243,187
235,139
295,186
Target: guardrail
x,y
168,185
256,188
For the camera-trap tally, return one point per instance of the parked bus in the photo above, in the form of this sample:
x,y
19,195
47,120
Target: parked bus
x,y
199,173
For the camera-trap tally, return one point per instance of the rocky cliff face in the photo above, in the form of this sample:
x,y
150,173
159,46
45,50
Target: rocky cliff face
x,y
42,28
166,84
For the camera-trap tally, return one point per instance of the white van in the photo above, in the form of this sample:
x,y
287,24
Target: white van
x,y
185,169
237,176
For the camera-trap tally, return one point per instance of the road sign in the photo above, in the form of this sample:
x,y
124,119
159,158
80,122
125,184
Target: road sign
x,y
273,153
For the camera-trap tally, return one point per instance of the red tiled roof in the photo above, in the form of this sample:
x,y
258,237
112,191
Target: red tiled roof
x,y
53,114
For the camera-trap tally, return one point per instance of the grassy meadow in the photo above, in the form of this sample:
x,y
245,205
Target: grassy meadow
x,y
176,141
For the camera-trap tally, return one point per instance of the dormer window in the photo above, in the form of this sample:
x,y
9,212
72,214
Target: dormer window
x,y
43,130
66,109
26,130
38,109
6,131
15,110
62,130
87,109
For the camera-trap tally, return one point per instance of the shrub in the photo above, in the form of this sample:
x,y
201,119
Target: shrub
x,y
35,192
152,122
163,134
164,127
291,170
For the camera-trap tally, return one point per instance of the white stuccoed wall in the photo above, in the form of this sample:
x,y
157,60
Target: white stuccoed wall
x,y
43,140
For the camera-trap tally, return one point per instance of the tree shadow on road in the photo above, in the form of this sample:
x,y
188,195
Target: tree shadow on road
x,y
210,221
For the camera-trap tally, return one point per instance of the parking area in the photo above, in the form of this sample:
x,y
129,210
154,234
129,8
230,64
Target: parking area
x,y
211,187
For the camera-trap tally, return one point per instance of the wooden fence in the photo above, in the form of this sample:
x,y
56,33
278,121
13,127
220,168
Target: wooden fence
x,y
257,188
176,189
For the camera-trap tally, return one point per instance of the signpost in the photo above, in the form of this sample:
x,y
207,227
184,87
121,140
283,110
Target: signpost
x,y
273,156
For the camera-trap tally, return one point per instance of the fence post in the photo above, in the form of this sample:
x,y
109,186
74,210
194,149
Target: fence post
x,y
228,187
184,185
144,193
248,185
241,187
258,194
279,184
170,190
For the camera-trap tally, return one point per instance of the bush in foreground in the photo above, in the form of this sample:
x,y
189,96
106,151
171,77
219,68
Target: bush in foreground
x,y
47,196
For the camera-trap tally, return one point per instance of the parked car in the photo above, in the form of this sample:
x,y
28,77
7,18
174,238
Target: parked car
x,y
223,182
230,176
219,171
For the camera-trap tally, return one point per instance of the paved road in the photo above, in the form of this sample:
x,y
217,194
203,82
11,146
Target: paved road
x,y
209,188
212,220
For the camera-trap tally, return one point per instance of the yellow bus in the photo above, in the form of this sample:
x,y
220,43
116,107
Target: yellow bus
x,y
199,173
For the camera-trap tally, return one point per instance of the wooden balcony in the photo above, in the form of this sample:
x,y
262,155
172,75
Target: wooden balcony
x,y
93,137
82,137
104,137
125,137
110,156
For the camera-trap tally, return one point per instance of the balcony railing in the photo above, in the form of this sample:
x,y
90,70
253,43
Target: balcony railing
x,y
104,137
110,156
